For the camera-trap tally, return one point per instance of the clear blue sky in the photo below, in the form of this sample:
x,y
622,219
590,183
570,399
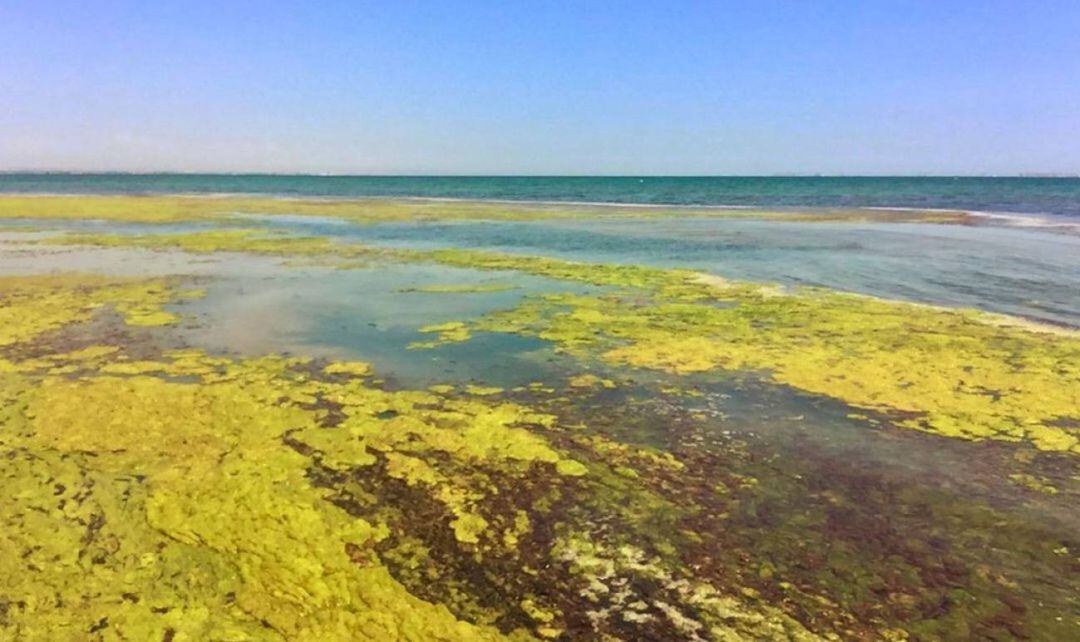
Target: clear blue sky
x,y
945,86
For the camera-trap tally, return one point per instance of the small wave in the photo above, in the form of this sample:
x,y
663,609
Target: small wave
x,y
1037,221
1002,219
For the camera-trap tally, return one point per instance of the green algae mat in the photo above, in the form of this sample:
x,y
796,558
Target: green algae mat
x,y
686,457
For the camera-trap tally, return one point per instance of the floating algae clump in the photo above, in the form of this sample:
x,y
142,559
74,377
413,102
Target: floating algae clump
x,y
450,332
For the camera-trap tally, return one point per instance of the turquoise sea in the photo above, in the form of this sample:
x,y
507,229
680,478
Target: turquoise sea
x,y
1041,196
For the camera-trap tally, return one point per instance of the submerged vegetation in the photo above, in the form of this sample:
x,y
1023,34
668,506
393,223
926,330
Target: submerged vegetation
x,y
159,491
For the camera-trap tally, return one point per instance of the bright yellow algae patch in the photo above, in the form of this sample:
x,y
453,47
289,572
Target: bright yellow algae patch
x,y
450,332
214,477
218,479
353,368
33,305
589,380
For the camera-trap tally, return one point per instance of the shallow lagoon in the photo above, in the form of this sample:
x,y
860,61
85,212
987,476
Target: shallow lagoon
x,y
713,505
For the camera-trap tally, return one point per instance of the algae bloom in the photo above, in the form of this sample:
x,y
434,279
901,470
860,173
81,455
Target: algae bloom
x,y
260,427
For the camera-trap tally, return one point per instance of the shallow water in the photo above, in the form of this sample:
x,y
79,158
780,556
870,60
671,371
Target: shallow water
x,y
371,314
1028,273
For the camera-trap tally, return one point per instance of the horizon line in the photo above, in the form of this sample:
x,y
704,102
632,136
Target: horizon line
x,y
41,172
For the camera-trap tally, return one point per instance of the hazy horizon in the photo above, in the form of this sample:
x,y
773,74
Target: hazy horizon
x,y
466,89
73,172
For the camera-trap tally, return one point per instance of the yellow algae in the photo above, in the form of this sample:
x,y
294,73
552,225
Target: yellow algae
x,y
148,209
522,525
150,318
192,208
960,377
482,391
542,616
412,470
353,368
1033,482
616,452
955,373
132,367
596,274
218,480
451,332
589,380
92,353
250,241
77,553
336,452
468,527
468,429
33,305
171,209
571,468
